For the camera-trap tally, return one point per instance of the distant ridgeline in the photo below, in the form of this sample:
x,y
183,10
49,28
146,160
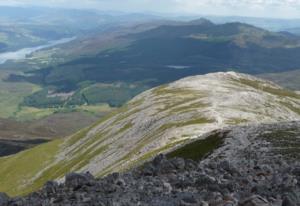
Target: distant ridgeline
x,y
161,55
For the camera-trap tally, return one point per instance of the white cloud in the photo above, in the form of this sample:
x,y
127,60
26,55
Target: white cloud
x,y
270,8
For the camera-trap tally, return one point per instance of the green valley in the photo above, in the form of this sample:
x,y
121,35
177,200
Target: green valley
x,y
151,55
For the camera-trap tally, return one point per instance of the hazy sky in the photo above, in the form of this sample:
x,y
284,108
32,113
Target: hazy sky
x,y
267,8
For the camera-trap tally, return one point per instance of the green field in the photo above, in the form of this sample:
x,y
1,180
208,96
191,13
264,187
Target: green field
x,y
23,122
12,95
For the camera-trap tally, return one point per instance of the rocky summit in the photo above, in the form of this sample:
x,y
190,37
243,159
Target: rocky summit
x,y
255,165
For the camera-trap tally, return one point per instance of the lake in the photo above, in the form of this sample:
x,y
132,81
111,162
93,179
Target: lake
x,y
22,53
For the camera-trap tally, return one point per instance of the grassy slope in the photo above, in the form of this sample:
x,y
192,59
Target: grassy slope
x,y
23,166
112,138
82,153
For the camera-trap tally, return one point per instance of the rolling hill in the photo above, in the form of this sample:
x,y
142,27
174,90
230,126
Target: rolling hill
x,y
155,121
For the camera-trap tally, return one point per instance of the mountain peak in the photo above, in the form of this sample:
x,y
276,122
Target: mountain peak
x,y
201,21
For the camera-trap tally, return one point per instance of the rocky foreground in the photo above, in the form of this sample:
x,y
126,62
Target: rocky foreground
x,y
256,166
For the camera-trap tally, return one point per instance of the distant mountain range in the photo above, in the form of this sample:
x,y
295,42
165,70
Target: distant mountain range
x,y
272,24
155,121
115,57
30,26
140,57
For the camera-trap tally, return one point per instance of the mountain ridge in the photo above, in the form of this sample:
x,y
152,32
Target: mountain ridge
x,y
153,122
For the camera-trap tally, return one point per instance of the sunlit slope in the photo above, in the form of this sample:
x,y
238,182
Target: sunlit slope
x,y
151,123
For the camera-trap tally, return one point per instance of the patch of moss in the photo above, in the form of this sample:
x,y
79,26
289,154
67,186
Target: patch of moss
x,y
198,149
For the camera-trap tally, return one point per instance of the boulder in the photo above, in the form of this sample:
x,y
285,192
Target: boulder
x,y
76,181
3,199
